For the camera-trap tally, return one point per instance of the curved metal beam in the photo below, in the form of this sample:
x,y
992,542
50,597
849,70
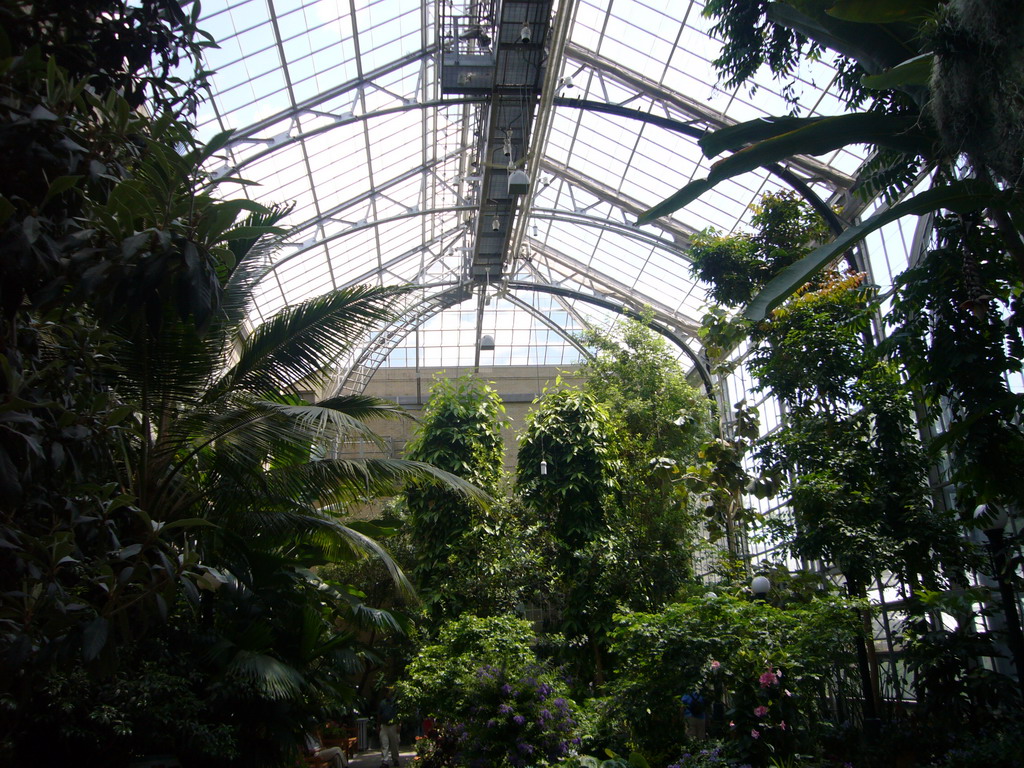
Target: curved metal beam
x,y
665,331
599,222
362,368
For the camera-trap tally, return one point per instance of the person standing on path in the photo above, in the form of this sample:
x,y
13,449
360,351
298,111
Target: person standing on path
x,y
387,719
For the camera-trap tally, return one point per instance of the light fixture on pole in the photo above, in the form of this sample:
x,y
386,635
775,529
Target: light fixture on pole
x,y
992,519
487,343
760,586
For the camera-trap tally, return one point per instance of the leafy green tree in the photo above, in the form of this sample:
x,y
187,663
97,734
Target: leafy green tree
x,y
856,470
735,267
848,455
660,420
568,431
566,475
460,431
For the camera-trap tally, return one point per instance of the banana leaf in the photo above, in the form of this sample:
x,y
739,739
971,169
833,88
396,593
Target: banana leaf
x,y
915,72
961,197
814,136
883,11
876,47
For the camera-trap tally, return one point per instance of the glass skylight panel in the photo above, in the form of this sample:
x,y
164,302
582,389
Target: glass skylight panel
x,y
373,170
889,251
312,281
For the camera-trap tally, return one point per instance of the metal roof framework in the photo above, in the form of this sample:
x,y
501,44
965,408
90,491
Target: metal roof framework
x,y
394,126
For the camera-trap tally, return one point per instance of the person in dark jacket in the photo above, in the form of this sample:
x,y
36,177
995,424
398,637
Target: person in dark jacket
x,y
387,719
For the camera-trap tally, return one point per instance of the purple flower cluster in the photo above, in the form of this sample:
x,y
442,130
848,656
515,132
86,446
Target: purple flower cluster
x,y
517,720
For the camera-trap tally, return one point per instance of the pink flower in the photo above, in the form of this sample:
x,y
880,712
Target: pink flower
x,y
768,678
732,724
715,664
760,711
755,734
788,692
782,724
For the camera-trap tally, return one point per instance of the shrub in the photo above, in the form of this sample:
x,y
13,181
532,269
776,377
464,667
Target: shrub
x,y
763,671
517,720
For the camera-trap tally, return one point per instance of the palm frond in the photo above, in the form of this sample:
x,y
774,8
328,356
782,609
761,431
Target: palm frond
x,y
365,407
367,617
336,537
325,421
344,481
252,259
270,676
297,344
166,372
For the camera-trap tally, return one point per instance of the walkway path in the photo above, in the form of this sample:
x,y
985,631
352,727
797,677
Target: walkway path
x,y
370,758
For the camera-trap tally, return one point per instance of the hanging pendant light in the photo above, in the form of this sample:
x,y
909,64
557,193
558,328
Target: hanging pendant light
x,y
543,467
518,182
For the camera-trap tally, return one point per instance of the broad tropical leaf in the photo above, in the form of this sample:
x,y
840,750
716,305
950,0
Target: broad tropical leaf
x,y
883,11
805,136
876,47
912,73
961,196
735,137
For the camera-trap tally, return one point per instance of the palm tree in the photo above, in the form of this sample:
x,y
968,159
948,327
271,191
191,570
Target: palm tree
x,y
228,459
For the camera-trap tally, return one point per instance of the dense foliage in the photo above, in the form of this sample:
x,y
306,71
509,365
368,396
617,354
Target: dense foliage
x,y
456,539
735,267
959,329
436,680
762,671
566,474
660,421
165,485
497,705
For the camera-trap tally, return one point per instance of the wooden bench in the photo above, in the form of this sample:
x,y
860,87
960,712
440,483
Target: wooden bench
x,y
349,742
351,745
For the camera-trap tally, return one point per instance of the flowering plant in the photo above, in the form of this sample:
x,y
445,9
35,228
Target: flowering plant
x,y
761,669
517,720
441,748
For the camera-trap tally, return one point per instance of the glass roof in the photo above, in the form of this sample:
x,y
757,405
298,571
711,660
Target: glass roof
x,y
388,123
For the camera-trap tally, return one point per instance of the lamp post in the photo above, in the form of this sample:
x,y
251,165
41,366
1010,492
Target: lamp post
x,y
993,519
